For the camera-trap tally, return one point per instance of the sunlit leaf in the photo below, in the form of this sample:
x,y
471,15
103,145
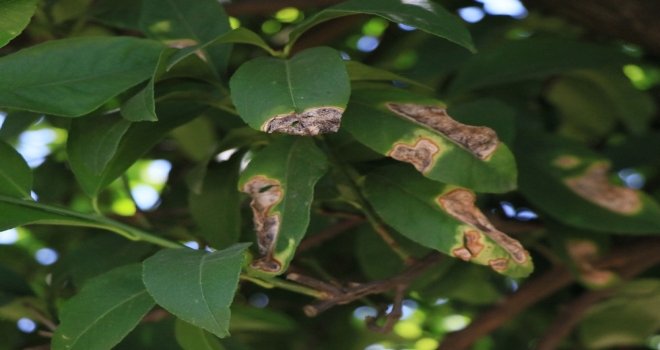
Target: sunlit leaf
x,y
280,180
14,17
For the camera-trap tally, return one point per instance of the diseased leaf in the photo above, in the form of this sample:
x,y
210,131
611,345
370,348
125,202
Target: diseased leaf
x,y
533,58
81,74
359,71
15,175
280,180
570,183
101,315
14,17
216,209
417,130
194,338
423,14
180,23
207,280
443,217
305,95
136,141
487,112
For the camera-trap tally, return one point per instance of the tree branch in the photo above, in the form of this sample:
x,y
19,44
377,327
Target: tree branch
x,y
328,233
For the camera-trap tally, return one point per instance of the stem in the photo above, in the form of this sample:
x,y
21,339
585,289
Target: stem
x,y
278,283
72,218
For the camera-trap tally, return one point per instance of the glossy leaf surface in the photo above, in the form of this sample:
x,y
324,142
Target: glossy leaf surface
x,y
423,14
208,280
533,58
305,95
571,183
417,130
82,74
14,17
109,307
181,24
280,180
135,142
15,175
443,217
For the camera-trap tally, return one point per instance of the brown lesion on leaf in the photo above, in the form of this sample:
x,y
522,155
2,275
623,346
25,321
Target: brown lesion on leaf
x,y
472,246
419,155
498,264
583,253
596,188
459,203
314,121
265,194
567,162
479,140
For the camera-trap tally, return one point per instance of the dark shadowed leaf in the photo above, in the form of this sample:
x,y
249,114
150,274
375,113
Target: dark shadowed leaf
x,y
17,122
443,217
359,71
570,182
81,74
12,286
487,112
207,280
423,14
280,180
101,315
14,17
194,338
305,95
417,130
15,175
533,58
253,319
123,14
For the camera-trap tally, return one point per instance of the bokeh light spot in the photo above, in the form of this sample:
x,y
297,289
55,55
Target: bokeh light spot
x,y
46,256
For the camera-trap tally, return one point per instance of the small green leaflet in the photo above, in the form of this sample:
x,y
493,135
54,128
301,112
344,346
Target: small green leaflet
x,y
417,130
305,95
443,217
15,175
280,180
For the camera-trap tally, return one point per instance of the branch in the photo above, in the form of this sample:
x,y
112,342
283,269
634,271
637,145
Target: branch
x,y
627,260
339,296
328,233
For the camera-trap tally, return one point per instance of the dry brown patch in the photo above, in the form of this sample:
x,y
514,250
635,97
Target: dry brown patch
x,y
311,122
419,155
462,253
265,194
596,188
498,264
567,162
584,253
479,140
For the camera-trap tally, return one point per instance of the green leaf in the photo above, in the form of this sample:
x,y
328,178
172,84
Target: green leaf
x,y
239,36
571,184
487,112
124,14
305,95
16,122
100,136
417,130
136,141
81,74
14,17
207,280
252,319
196,139
280,180
627,319
179,22
423,14
12,286
216,209
101,315
533,58
15,175
443,217
194,338
359,71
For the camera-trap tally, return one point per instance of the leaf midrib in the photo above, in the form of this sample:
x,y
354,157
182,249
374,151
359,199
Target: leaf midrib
x,y
290,85
14,183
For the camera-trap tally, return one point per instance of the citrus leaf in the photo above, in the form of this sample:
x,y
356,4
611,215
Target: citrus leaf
x,y
194,338
15,175
280,180
81,74
359,71
417,130
423,14
14,17
181,23
533,58
207,280
107,308
570,183
443,217
305,95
